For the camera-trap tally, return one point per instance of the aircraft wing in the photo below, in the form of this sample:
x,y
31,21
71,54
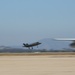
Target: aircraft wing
x,y
65,39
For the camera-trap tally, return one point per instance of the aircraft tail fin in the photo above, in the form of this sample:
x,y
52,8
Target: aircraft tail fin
x,y
24,44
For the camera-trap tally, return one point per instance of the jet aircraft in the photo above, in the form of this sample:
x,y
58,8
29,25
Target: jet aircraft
x,y
67,39
31,45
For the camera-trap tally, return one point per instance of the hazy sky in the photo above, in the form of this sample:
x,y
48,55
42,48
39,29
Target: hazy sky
x,y
32,20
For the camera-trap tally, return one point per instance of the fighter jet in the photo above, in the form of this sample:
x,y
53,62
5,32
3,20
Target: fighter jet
x,y
31,45
67,39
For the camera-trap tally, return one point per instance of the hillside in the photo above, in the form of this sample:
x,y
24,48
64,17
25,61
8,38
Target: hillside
x,y
48,43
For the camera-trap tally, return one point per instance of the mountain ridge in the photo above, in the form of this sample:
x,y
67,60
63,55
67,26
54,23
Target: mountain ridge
x,y
46,43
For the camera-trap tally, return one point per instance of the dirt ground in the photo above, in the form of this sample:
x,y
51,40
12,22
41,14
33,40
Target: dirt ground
x,y
37,65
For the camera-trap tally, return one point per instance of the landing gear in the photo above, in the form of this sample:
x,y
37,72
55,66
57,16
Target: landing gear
x,y
37,46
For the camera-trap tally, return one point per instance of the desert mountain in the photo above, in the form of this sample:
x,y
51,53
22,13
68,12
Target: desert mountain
x,y
48,44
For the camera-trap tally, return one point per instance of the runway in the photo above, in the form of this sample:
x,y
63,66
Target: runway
x,y
37,65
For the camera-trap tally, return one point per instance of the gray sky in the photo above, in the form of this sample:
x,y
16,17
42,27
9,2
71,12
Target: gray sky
x,y
32,20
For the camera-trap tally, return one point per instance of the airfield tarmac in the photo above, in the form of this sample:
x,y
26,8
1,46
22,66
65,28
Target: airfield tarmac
x,y
37,65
